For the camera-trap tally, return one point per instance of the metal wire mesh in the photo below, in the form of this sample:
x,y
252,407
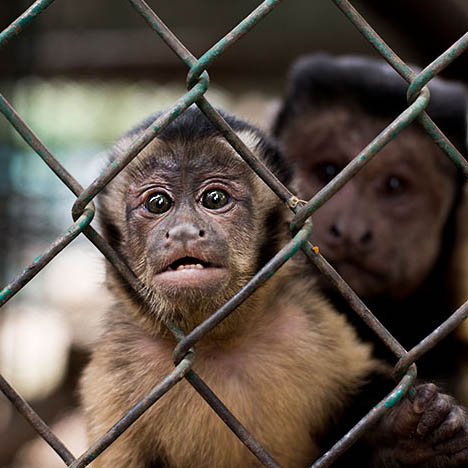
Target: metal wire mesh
x,y
197,84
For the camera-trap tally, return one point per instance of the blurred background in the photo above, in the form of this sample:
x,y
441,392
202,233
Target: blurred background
x,y
82,75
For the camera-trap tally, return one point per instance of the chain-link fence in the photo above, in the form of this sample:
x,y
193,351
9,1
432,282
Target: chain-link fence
x,y
197,84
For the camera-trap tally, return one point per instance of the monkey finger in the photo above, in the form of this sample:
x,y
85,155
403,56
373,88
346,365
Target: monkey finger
x,y
435,413
452,424
402,421
425,393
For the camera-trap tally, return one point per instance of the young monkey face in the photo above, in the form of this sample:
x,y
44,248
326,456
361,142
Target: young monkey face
x,y
189,228
182,208
383,230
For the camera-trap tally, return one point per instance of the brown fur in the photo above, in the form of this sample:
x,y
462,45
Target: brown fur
x,y
285,363
283,377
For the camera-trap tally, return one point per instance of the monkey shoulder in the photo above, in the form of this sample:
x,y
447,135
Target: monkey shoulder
x,y
326,331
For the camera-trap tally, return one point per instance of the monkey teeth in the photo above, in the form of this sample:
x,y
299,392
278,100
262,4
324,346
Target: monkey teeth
x,y
191,272
196,266
188,263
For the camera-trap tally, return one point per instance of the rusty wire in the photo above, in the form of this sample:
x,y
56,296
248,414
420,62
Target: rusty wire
x,y
197,85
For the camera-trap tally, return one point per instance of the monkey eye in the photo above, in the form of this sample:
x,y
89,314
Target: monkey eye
x,y
158,203
326,171
215,199
395,185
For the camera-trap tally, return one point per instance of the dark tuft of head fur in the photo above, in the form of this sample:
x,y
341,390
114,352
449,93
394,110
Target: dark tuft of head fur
x,y
322,80
192,126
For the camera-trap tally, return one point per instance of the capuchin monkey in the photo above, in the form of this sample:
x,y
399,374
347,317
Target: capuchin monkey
x,y
390,231
195,224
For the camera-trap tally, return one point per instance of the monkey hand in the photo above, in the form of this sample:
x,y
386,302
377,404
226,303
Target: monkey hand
x,y
429,430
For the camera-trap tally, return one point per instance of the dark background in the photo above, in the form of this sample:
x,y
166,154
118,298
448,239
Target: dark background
x,y
108,39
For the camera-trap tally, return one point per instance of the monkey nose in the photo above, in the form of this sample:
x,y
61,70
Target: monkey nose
x,y
184,232
359,236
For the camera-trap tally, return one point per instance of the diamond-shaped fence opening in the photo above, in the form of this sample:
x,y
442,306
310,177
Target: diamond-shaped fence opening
x,y
197,84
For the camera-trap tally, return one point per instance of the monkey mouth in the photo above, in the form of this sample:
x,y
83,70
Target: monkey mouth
x,y
192,273
352,266
188,263
363,279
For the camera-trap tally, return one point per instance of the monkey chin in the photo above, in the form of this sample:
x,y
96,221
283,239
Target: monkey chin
x,y
189,296
189,281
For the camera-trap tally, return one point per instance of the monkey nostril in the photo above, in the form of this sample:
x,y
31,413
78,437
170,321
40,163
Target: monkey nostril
x,y
335,231
201,233
167,235
366,237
